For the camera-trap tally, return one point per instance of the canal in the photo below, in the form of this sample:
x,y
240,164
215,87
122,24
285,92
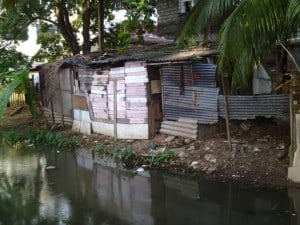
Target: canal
x,y
82,192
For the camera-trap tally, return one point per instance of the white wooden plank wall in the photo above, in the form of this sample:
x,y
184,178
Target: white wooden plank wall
x,y
136,79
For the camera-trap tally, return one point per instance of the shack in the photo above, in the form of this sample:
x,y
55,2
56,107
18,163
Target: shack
x,y
136,95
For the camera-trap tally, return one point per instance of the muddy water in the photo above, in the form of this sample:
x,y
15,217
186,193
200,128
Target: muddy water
x,y
84,193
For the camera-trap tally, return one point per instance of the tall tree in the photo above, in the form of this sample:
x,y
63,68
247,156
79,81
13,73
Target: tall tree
x,y
76,21
250,31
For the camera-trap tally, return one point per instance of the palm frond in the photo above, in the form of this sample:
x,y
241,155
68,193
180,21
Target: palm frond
x,y
5,94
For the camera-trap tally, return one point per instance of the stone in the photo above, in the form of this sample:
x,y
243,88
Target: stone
x,y
169,139
209,158
211,169
187,141
181,154
256,149
207,148
177,150
194,164
245,126
191,148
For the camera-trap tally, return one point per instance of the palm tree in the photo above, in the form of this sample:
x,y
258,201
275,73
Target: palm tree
x,y
251,30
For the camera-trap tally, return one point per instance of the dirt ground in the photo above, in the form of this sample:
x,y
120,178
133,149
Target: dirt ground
x,y
258,156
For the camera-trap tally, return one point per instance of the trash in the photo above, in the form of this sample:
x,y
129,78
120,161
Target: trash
x,y
139,170
30,145
50,167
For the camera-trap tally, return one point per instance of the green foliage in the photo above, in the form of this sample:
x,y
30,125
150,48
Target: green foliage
x,y
250,31
12,60
131,159
52,45
5,93
17,81
139,20
40,137
124,41
76,24
160,158
102,150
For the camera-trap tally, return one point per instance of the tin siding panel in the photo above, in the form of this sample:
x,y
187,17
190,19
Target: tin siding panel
x,y
192,95
249,107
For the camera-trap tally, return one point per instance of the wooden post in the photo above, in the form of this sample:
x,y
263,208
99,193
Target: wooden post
x,y
61,100
115,111
226,112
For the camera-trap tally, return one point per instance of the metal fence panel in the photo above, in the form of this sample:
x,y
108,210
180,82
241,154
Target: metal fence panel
x,y
249,107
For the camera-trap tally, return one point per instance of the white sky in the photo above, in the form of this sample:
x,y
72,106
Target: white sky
x,y
29,47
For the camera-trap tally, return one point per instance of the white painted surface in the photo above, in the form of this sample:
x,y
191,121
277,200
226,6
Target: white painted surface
x,y
124,131
85,128
82,115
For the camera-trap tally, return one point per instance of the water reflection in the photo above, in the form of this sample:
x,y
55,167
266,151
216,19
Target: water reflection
x,y
84,193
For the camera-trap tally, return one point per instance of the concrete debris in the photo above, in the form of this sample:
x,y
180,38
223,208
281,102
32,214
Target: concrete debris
x,y
209,158
194,164
191,148
256,149
177,150
169,139
211,169
187,141
245,126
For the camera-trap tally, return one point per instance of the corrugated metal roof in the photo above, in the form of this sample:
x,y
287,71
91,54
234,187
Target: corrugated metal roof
x,y
153,54
164,54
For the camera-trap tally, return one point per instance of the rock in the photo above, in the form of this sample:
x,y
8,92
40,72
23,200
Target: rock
x,y
187,141
213,161
245,126
177,150
181,154
282,154
256,149
207,148
209,158
211,169
191,148
194,164
169,139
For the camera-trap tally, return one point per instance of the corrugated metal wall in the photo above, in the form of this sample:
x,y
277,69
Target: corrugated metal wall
x,y
190,91
248,107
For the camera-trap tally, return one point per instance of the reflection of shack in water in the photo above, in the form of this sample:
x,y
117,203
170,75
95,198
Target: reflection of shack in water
x,y
224,204
164,199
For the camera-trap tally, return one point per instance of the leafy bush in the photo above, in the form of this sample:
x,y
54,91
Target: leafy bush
x,y
40,137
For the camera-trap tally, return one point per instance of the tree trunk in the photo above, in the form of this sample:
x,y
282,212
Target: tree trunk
x,y
86,18
101,25
65,26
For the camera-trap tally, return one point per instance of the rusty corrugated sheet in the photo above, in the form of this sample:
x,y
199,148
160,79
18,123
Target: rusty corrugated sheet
x,y
190,91
249,107
197,75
